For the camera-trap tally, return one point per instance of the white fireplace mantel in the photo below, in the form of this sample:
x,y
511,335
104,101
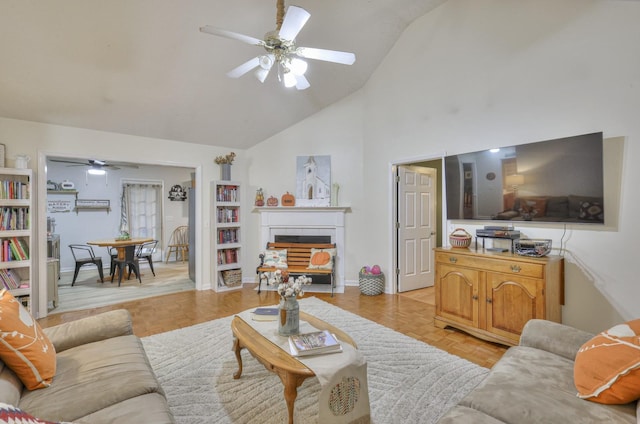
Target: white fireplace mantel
x,y
325,221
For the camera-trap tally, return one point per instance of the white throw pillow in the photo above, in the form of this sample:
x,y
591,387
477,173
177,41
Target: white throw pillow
x,y
275,258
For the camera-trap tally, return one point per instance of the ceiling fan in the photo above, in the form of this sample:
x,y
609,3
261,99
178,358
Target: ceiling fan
x,y
281,49
96,164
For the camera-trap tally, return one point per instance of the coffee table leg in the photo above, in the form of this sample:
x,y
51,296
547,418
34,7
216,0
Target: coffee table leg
x,y
291,384
237,348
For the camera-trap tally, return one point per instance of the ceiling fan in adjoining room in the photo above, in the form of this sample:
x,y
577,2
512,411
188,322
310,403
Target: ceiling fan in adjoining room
x,y
281,49
96,163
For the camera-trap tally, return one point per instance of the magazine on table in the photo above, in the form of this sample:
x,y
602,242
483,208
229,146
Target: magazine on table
x,y
314,343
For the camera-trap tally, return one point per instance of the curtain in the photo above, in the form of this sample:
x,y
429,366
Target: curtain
x,y
142,211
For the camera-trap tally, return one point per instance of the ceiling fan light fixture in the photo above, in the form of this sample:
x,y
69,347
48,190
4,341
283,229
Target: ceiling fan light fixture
x,y
298,66
96,171
289,79
261,74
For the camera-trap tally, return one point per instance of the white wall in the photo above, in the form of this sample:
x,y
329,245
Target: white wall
x,y
475,74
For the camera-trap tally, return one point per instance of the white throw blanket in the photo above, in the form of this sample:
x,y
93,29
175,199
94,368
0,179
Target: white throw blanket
x,y
344,397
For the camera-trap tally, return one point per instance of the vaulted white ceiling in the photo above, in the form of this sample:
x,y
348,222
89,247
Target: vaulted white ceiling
x,y
141,67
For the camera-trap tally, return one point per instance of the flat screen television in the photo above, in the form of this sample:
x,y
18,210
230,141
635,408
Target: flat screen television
x,y
558,180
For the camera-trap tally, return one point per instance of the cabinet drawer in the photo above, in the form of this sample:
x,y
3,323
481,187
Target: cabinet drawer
x,y
507,266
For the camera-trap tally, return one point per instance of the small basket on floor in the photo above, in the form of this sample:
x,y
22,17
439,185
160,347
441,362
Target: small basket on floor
x,y
232,277
371,284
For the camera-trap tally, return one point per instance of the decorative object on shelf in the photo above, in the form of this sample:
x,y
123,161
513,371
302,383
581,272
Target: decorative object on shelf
x,y
533,247
289,289
67,185
22,161
288,199
335,188
52,185
313,180
281,50
259,197
93,204
177,193
272,201
225,165
460,238
371,280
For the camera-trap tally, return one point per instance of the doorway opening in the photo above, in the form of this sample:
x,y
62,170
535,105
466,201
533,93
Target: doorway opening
x,y
417,222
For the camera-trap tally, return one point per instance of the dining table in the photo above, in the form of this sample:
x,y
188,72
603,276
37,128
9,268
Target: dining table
x,y
121,245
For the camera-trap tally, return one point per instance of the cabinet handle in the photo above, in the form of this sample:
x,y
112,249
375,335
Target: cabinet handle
x,y
515,268
453,259
489,300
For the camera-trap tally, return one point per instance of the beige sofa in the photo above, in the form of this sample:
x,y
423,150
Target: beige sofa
x,y
533,383
103,376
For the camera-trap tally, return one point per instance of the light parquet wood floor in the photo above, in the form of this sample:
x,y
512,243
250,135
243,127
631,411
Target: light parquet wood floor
x,y
411,313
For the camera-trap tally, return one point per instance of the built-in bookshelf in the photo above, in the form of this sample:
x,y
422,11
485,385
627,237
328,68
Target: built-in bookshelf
x,y
16,204
226,235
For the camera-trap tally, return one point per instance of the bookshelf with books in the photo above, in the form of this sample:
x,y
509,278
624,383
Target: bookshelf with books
x,y
226,235
16,232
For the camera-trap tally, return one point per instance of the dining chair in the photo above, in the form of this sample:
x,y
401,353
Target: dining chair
x,y
145,252
83,255
113,254
130,260
178,243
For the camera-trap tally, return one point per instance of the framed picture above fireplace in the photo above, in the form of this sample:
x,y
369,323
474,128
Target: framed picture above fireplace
x,y
313,180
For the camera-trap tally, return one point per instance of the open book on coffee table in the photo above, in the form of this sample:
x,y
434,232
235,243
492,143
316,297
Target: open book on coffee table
x,y
314,343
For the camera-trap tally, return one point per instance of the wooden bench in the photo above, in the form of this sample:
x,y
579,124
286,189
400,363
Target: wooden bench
x,y
298,257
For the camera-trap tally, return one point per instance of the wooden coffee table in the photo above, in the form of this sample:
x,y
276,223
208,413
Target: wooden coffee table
x,y
291,371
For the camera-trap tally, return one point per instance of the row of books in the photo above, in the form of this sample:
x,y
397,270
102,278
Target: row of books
x,y
14,190
11,280
14,218
227,256
306,344
14,249
227,215
228,236
227,194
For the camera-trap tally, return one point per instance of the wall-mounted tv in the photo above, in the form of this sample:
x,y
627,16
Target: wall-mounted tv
x,y
558,180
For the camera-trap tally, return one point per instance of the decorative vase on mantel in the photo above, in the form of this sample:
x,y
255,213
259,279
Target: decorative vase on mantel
x,y
289,317
225,171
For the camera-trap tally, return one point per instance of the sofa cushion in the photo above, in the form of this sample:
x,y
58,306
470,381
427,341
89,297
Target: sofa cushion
x,y
275,258
149,408
530,385
591,211
92,377
10,385
322,258
576,201
24,347
607,368
557,207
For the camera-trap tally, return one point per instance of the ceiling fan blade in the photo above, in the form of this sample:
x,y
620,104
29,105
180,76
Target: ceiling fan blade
x,y
294,20
244,68
335,56
302,83
67,161
230,34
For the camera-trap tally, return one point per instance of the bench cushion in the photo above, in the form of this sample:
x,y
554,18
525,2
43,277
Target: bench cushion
x,y
322,258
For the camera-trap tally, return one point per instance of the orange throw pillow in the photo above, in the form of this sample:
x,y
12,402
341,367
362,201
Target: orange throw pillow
x,y
23,345
321,258
607,367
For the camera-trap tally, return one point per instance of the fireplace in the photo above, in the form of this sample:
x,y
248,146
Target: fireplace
x,y
316,225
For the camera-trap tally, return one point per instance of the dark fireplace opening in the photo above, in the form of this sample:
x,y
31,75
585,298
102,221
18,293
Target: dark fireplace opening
x,y
315,278
302,239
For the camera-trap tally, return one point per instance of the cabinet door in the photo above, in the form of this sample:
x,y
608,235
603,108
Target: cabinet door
x,y
457,294
511,302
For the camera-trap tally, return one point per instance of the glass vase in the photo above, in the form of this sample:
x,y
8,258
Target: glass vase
x,y
289,319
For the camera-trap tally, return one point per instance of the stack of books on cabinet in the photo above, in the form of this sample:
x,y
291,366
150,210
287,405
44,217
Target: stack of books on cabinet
x,y
227,235
15,232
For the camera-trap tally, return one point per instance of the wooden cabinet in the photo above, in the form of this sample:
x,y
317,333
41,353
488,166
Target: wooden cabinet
x,y
493,295
226,235
16,232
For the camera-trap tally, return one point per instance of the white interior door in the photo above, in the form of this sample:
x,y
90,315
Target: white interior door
x,y
416,227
